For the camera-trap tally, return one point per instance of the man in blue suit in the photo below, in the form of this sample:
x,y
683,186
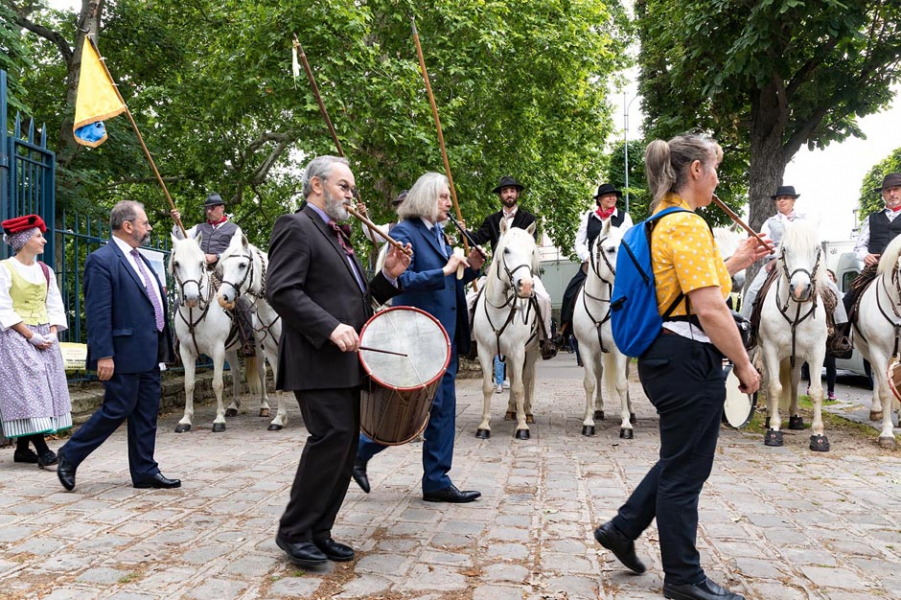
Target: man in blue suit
x,y
128,336
430,283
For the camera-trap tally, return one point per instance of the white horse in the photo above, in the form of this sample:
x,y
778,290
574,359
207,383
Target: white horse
x,y
591,325
877,334
202,327
506,323
243,267
793,331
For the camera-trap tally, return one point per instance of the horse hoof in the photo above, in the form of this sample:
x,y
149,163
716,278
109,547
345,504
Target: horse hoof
x,y
598,415
483,434
632,418
887,442
819,443
588,430
274,427
522,434
218,427
626,434
264,412
875,416
182,427
796,423
509,416
231,412
772,438
530,419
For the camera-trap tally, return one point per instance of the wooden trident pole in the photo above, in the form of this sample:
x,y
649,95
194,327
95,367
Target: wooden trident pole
x,y
447,169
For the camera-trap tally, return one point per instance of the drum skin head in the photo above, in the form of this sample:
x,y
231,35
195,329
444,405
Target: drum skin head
x,y
739,407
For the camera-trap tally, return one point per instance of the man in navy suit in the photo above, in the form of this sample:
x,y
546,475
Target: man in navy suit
x,y
430,283
128,336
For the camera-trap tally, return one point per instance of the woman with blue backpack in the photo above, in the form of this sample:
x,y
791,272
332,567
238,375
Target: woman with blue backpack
x,y
681,368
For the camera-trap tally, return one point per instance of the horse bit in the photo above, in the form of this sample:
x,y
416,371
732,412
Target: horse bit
x,y
783,310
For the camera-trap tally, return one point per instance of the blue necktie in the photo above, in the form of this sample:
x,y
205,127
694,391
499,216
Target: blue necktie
x,y
440,237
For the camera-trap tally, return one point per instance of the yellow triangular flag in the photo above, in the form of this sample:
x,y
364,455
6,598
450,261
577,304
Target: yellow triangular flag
x,y
97,98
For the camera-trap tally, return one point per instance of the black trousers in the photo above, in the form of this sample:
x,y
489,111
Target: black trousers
x,y
684,381
332,418
569,298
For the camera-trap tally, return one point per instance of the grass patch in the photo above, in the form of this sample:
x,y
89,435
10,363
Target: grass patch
x,y
804,401
129,578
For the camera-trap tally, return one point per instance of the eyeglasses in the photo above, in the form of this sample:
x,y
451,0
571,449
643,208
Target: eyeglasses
x,y
344,187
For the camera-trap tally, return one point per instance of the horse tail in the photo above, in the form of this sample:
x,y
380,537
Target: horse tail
x,y
251,376
785,378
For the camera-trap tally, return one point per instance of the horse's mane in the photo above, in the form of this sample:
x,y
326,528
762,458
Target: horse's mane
x,y
890,256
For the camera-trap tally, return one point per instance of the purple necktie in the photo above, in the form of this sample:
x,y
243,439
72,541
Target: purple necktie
x,y
343,233
154,299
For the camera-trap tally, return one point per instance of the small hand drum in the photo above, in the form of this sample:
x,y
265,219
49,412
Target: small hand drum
x,y
894,378
739,407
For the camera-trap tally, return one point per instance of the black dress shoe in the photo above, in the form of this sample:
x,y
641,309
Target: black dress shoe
x,y
706,590
334,550
622,547
47,458
360,476
159,482
66,473
450,494
304,554
27,456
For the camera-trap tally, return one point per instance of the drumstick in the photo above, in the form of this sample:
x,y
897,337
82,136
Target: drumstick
x,y
736,218
382,351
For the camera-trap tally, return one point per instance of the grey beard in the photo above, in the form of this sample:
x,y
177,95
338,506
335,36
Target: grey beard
x,y
334,207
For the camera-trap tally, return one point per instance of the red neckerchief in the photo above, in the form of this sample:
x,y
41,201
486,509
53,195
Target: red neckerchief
x,y
605,213
896,209
219,222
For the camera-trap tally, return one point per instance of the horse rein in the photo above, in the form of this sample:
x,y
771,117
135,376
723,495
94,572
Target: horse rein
x,y
511,302
264,328
783,310
599,323
895,324
204,302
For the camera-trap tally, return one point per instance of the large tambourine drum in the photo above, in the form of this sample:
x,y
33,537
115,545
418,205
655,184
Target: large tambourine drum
x,y
398,390
739,407
894,378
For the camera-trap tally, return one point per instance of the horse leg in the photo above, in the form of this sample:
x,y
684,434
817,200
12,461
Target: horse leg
x,y
773,436
235,370
281,417
632,417
190,363
818,441
261,375
615,369
515,367
881,387
486,359
218,367
528,376
795,421
590,382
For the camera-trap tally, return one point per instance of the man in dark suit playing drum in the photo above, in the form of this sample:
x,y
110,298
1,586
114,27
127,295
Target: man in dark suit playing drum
x,y
318,286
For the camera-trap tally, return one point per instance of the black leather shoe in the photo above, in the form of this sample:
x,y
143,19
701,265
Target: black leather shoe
x,y
66,473
334,551
304,554
450,494
27,456
360,476
706,590
47,458
159,482
622,547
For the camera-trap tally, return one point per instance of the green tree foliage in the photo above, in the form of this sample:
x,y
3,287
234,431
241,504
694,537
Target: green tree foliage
x,y
870,200
520,86
14,56
765,77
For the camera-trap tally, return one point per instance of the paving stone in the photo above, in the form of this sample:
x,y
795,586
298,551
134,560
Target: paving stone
x,y
101,575
505,572
833,578
364,586
426,577
508,551
252,565
15,533
496,592
388,564
204,554
218,589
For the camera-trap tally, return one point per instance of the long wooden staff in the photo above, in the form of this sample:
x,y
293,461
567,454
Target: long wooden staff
x,y
738,220
140,138
428,87
373,229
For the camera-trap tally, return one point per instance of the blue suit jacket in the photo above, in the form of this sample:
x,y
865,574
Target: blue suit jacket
x,y
425,285
121,321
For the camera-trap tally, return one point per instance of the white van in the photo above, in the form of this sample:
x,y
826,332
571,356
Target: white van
x,y
842,260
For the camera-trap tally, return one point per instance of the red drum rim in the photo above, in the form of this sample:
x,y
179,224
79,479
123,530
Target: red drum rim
x,y
415,387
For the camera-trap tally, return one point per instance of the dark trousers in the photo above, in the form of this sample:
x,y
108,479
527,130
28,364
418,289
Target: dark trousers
x,y
684,381
132,396
332,418
438,447
569,298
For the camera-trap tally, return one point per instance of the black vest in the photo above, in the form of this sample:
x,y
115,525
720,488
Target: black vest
x,y
882,231
595,225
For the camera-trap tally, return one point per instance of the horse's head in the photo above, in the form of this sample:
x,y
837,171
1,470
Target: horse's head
x,y
517,256
799,258
603,252
236,267
187,265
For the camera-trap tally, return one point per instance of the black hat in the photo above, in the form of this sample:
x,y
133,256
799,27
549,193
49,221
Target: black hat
x,y
213,199
785,190
507,181
891,180
608,188
400,198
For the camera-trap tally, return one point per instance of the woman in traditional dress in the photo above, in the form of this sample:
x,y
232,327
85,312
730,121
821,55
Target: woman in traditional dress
x,y
34,397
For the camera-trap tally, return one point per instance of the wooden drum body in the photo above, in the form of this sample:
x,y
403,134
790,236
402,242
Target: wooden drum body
x,y
398,390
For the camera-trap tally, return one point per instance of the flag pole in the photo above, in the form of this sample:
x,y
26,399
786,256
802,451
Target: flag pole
x,y
140,137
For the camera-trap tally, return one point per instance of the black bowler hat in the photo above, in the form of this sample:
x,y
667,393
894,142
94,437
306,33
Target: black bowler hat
x,y
400,198
507,181
891,180
213,199
785,190
607,188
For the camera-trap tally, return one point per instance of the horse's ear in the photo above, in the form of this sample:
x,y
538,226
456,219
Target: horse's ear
x,y
531,228
244,241
503,225
174,239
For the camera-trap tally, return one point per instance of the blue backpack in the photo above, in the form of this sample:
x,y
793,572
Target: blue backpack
x,y
634,317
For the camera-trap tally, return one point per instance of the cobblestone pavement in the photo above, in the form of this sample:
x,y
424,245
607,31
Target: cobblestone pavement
x,y
776,523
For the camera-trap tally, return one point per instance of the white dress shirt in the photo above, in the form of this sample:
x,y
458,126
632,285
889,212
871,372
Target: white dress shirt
x,y
126,249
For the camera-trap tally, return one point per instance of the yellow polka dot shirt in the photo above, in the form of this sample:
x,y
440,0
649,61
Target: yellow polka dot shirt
x,y
685,256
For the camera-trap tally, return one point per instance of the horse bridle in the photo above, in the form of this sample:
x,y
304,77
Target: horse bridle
x,y
204,303
896,324
783,310
247,273
264,328
511,302
599,323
